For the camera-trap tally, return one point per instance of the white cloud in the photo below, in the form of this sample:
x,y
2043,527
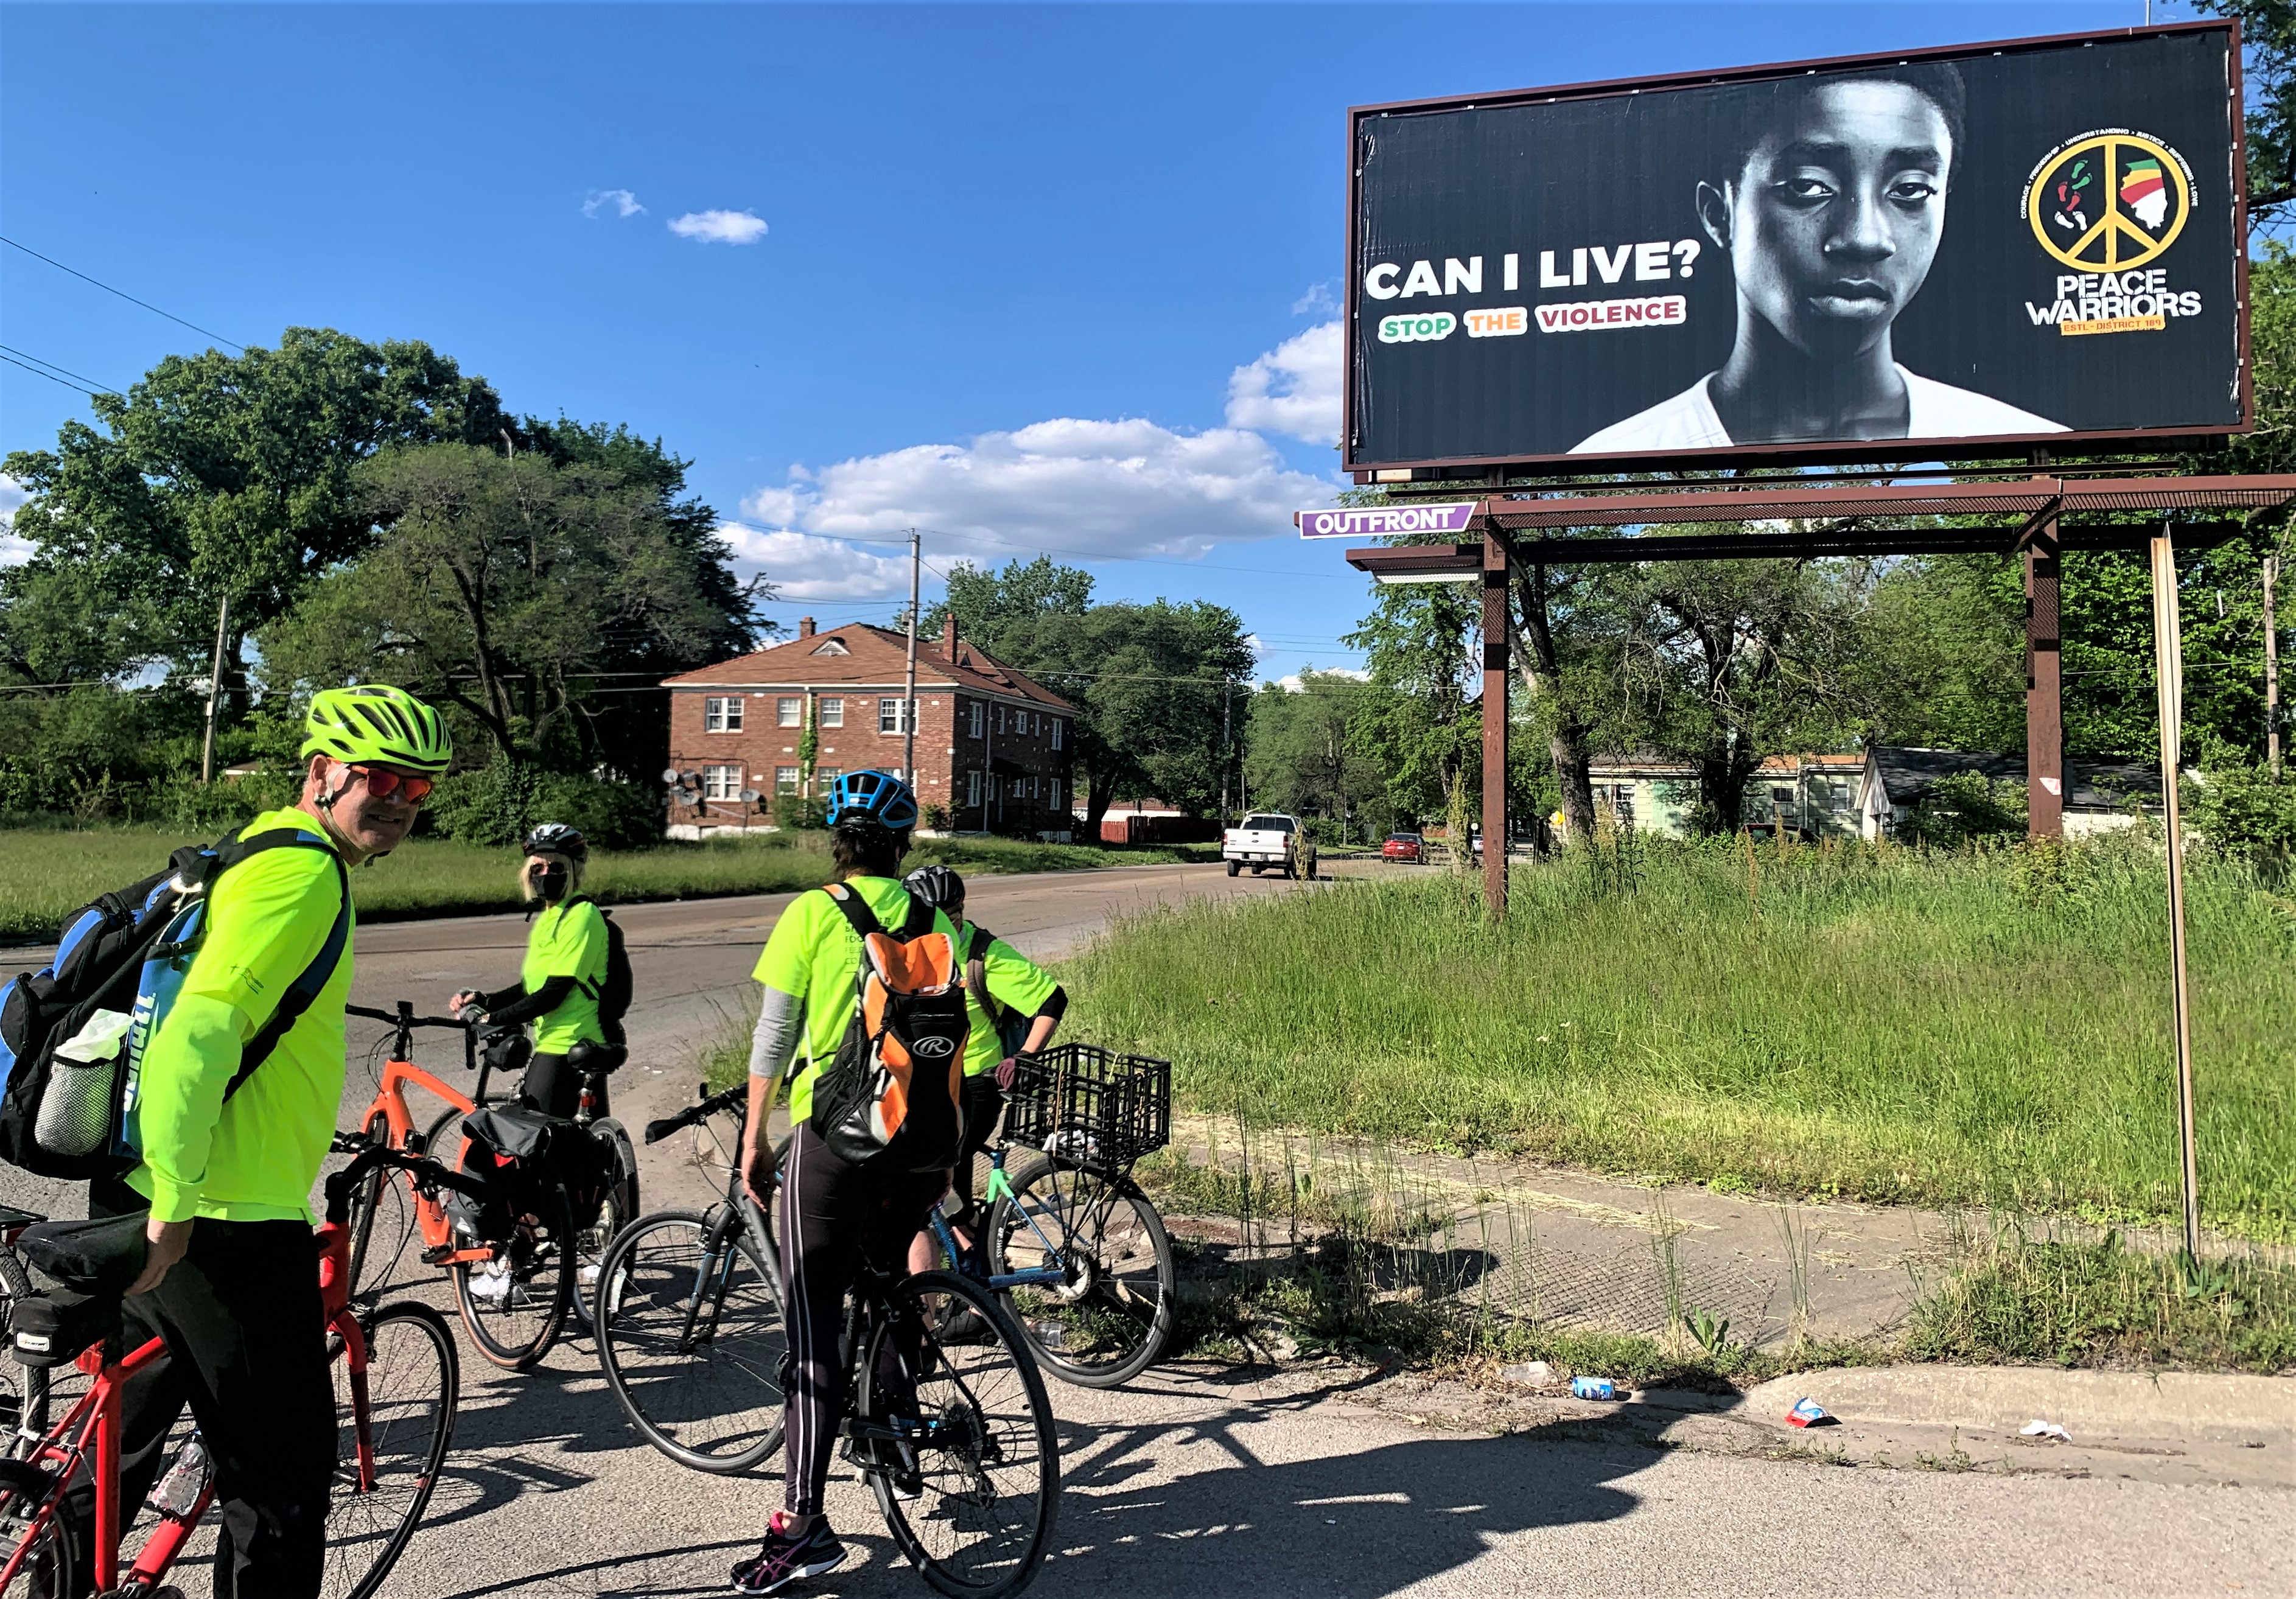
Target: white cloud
x,y
13,551
1293,684
804,568
1317,299
719,227
1068,486
624,202
1293,389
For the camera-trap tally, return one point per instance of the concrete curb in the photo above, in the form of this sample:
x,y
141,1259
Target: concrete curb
x,y
2198,1406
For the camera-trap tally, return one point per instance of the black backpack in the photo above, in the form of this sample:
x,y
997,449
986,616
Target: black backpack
x,y
1012,1027
614,993
127,952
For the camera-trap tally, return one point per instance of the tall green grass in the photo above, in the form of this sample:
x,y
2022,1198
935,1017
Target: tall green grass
x,y
1986,1028
45,873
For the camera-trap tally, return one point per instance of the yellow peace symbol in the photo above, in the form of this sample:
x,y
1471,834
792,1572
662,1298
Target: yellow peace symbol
x,y
2100,247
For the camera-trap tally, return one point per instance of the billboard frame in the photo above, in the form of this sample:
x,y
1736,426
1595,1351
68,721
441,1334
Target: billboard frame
x,y
1989,446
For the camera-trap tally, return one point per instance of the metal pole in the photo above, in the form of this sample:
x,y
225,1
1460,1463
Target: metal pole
x,y
1227,693
2271,667
909,705
2044,710
2169,677
214,691
1494,724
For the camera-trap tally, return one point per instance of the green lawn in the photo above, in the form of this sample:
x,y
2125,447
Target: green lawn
x,y
1874,1025
45,874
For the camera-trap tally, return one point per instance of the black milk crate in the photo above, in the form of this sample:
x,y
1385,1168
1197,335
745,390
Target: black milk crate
x,y
1087,1102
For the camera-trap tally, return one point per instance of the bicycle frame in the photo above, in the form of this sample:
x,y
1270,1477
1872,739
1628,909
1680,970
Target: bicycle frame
x,y
399,1074
1000,1187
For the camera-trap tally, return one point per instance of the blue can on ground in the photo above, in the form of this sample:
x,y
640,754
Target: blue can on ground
x,y
1594,1387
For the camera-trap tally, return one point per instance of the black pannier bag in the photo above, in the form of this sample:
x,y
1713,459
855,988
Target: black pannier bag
x,y
523,1156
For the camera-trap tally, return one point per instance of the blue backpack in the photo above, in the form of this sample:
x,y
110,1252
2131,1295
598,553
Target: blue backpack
x,y
127,954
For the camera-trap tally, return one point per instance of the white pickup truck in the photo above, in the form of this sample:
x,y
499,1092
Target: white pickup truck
x,y
1269,839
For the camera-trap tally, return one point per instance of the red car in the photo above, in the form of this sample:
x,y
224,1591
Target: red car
x,y
1402,847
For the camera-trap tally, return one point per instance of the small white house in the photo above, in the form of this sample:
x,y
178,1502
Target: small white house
x,y
2100,795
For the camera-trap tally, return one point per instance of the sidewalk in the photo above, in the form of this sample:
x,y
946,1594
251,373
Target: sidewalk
x,y
1573,1248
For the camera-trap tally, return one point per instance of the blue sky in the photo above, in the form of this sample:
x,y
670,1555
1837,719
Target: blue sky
x,y
1039,277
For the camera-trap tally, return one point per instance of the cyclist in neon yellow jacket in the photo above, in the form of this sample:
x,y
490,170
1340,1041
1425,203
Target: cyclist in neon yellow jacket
x,y
229,1279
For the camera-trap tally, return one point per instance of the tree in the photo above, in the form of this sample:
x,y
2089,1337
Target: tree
x,y
2267,35
1299,756
989,606
1416,722
500,586
217,477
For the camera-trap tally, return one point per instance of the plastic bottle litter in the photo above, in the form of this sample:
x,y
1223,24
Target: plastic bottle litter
x,y
1594,1387
1808,1412
2037,1428
179,1489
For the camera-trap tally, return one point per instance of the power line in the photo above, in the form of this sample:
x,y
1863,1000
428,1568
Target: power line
x,y
94,387
36,372
123,293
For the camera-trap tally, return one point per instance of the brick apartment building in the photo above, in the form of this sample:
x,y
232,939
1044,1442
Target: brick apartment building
x,y
994,749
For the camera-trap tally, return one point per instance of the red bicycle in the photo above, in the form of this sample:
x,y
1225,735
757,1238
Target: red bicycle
x,y
397,1385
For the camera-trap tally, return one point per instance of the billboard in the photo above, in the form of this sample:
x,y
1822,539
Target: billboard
x,y
1941,254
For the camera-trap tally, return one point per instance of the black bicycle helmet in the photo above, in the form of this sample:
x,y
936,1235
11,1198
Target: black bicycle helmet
x,y
871,798
557,838
937,886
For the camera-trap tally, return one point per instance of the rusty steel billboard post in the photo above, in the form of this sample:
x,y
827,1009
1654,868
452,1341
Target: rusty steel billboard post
x,y
1928,255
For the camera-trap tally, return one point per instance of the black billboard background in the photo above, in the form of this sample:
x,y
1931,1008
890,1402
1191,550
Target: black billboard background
x,y
1621,168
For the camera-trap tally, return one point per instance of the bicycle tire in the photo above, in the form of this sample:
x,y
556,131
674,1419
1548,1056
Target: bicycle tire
x,y
540,1263
49,1562
714,1407
413,1391
618,1211
964,1397
364,1201
32,1390
1112,1317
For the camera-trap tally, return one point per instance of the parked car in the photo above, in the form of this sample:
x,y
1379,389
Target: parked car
x,y
1403,847
1269,839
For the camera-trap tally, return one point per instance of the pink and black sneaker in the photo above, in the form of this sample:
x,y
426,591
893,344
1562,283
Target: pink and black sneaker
x,y
785,1560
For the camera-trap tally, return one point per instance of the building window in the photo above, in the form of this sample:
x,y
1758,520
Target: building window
x,y
721,782
833,711
785,780
825,778
972,778
1054,787
889,718
1000,718
980,717
721,715
789,711
1056,733
832,646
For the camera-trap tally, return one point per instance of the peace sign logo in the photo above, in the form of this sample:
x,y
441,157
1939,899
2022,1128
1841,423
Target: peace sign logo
x,y
2108,200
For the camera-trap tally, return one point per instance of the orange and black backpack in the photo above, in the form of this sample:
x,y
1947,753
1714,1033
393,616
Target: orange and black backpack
x,y
896,1079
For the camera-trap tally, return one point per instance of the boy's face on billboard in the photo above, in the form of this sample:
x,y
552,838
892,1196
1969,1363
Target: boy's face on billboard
x,y
1834,218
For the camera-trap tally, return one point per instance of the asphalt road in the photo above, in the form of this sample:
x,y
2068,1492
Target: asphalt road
x,y
1207,1481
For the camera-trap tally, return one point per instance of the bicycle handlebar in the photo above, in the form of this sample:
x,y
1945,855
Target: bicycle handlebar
x,y
656,1131
425,1170
410,1020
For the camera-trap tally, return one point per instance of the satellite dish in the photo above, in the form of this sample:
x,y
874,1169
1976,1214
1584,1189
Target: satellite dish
x,y
749,796
670,774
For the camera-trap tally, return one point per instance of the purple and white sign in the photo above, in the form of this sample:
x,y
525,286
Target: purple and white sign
x,y
1385,521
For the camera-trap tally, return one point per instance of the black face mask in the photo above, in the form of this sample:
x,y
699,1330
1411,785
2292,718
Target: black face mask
x,y
554,881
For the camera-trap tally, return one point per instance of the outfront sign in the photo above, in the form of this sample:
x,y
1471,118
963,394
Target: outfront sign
x,y
1384,522
1937,254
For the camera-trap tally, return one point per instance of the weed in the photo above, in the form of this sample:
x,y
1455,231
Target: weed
x,y
1954,1459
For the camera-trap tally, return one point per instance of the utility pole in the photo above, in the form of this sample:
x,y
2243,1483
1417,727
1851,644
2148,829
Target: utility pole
x,y
2271,667
1227,693
909,705
2168,678
214,691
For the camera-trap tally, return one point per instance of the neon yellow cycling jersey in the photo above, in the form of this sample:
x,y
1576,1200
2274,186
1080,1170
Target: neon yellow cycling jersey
x,y
568,941
255,1158
1014,982
809,963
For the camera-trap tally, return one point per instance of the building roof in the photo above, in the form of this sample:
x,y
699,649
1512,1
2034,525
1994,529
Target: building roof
x,y
1907,774
1663,769
859,655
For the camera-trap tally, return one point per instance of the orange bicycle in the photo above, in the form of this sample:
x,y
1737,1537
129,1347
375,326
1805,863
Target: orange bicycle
x,y
397,1387
513,1293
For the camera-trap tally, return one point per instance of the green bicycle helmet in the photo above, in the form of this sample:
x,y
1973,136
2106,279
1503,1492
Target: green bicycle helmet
x,y
376,721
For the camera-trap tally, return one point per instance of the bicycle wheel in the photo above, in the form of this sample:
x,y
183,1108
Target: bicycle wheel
x,y
515,1305
367,1201
691,1338
49,1568
411,1388
23,1389
620,1209
1110,1315
985,1458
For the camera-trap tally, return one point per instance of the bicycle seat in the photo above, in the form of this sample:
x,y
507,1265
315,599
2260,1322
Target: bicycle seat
x,y
597,1059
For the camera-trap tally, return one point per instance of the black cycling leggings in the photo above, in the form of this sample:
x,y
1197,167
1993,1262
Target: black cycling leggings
x,y
983,1103
831,1212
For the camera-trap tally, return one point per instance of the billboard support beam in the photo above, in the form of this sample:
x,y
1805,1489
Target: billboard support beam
x,y
2168,678
2045,706
1496,634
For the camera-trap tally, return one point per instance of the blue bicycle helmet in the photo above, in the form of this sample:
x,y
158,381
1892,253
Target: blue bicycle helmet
x,y
865,797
